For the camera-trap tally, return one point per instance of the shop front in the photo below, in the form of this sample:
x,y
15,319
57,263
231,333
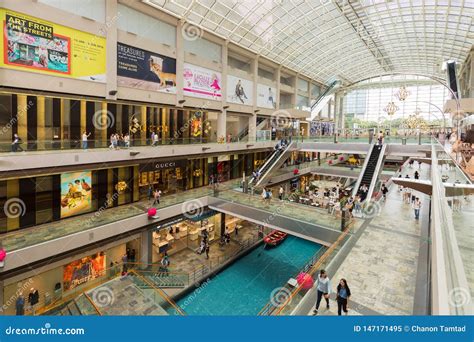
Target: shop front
x,y
36,293
167,176
188,232
54,197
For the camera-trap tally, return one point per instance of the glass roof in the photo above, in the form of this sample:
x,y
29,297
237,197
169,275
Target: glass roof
x,y
349,39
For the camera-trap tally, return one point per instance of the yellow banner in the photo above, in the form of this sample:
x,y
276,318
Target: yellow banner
x,y
36,45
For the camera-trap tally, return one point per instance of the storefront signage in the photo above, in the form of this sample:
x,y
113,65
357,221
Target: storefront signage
x,y
201,82
83,270
239,90
163,165
266,96
76,193
40,46
141,69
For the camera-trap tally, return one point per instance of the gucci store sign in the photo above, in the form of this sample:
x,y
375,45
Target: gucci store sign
x,y
163,165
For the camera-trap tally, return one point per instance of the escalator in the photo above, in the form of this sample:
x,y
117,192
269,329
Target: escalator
x,y
370,172
274,162
323,99
243,134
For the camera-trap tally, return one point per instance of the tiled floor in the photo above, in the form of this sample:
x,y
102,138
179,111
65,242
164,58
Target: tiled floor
x,y
121,296
381,268
300,212
463,226
188,260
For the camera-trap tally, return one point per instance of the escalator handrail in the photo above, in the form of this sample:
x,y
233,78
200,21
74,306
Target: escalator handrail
x,y
267,160
378,168
331,86
364,167
278,155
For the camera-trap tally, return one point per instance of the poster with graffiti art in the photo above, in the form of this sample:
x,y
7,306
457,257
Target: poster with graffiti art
x,y
83,270
36,45
201,82
266,96
239,90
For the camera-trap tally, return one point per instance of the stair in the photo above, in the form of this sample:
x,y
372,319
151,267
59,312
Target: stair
x,y
161,280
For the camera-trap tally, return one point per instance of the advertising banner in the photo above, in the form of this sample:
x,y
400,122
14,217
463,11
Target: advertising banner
x,y
266,96
201,82
83,270
40,46
141,69
76,192
239,90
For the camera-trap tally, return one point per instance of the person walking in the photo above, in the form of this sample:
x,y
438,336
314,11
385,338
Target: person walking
x,y
155,139
417,175
156,197
16,143
342,298
380,138
416,208
85,136
150,192
280,193
384,191
324,289
207,251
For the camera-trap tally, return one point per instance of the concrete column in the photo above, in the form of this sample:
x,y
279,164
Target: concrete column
x,y
222,116
222,224
295,88
253,119
222,125
110,30
278,87
146,247
179,63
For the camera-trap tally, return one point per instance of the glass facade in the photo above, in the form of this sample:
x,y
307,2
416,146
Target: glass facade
x,y
48,122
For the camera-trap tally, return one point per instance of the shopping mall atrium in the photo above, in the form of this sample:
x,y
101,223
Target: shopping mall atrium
x,y
200,157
